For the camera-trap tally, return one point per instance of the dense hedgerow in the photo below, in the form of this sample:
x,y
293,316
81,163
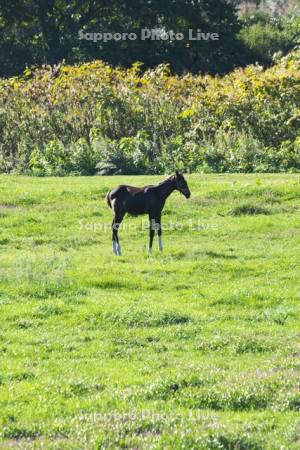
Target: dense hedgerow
x,y
91,119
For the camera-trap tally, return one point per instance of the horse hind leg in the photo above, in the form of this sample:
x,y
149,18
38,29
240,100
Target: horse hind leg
x,y
119,251
114,241
115,227
115,238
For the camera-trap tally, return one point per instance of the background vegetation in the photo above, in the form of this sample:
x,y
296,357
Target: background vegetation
x,y
92,118
36,32
197,347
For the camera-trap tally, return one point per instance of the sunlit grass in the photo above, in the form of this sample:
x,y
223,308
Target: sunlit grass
x,y
195,347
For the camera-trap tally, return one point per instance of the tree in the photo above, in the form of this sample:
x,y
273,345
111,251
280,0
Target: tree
x,y
33,32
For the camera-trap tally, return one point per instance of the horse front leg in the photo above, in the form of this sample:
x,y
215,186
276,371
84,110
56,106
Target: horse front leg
x,y
159,233
151,232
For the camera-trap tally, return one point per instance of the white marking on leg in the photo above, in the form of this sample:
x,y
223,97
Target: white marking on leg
x,y
119,249
150,250
114,247
160,246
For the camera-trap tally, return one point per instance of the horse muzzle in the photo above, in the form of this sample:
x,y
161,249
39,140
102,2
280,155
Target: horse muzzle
x,y
186,193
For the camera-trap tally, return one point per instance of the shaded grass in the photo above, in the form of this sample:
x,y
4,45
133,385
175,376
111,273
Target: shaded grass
x,y
139,318
249,209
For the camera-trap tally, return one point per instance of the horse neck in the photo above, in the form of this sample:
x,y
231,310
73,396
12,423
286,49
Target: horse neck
x,y
166,188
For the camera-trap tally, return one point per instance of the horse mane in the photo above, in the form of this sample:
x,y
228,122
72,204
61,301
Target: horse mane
x,y
167,179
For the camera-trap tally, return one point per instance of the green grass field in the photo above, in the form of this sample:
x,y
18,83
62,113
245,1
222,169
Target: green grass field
x,y
194,348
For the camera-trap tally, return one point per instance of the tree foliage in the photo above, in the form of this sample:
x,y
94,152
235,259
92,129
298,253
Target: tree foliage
x,y
34,32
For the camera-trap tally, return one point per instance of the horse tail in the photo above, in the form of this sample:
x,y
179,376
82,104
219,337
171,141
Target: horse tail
x,y
108,199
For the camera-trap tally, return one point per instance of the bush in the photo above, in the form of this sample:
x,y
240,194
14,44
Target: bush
x,y
91,119
263,36
263,41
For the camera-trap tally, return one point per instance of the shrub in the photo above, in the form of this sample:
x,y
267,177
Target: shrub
x,y
92,118
263,36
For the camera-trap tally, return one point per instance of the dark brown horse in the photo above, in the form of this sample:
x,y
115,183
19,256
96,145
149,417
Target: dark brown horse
x,y
147,200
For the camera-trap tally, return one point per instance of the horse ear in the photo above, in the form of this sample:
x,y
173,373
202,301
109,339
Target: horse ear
x,y
176,173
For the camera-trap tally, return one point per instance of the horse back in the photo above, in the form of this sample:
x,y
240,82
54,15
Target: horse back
x,y
134,200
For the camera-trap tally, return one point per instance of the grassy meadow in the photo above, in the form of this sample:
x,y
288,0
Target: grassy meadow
x,y
194,348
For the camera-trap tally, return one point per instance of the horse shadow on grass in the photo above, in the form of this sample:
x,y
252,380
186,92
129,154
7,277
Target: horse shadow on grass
x,y
220,255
